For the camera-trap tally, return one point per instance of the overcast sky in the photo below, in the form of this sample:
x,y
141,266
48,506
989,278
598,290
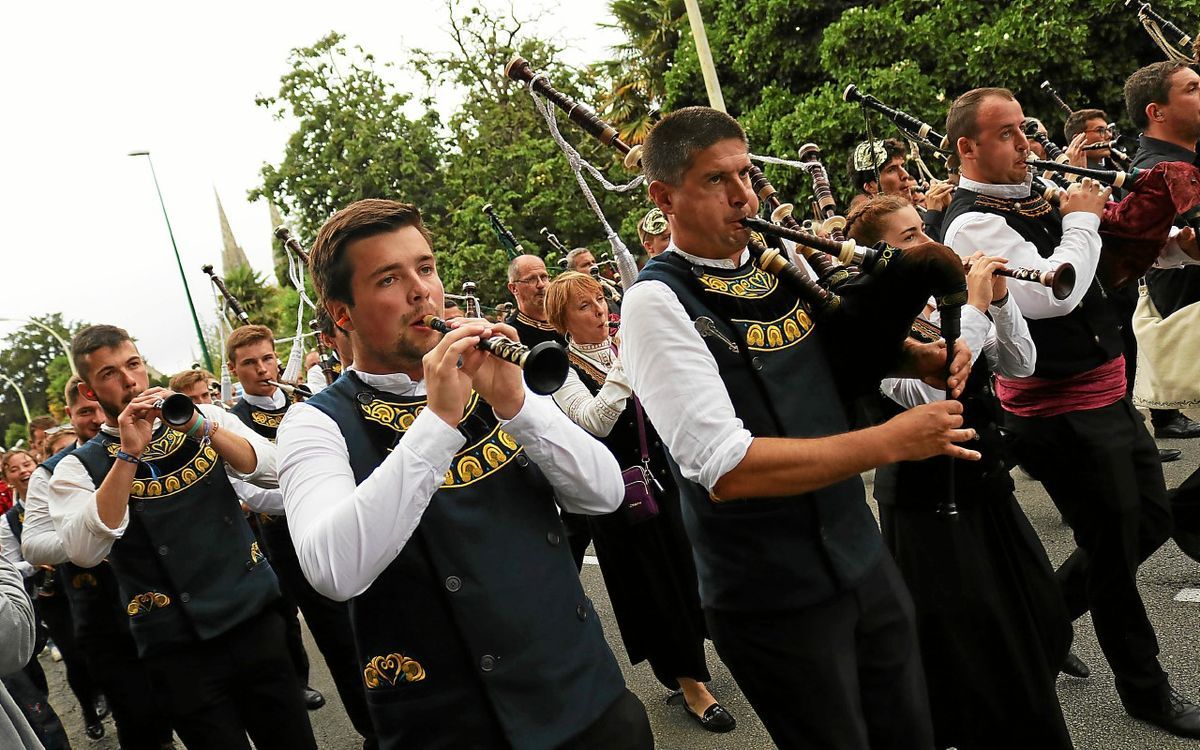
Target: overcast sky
x,y
86,83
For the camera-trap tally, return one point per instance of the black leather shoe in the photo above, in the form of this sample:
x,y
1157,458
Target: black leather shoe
x,y
94,731
313,699
101,704
715,718
1169,711
1074,667
1167,455
1179,427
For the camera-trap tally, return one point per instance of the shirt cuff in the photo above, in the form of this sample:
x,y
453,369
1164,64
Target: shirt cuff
x,y
1081,220
532,420
725,458
432,440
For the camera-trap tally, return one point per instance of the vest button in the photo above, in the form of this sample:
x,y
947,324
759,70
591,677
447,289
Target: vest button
x,y
581,612
554,538
228,521
1097,339
185,597
487,663
453,584
756,363
163,550
363,397
522,461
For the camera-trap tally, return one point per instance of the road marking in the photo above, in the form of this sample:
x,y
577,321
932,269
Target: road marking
x,y
1188,595
590,560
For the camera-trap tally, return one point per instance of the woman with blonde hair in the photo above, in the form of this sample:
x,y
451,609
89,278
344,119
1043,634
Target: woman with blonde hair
x,y
643,550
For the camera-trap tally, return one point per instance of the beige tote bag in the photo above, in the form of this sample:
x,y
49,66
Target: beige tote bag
x,y
1168,357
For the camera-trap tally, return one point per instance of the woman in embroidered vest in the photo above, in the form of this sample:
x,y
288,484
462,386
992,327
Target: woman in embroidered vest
x,y
646,561
992,622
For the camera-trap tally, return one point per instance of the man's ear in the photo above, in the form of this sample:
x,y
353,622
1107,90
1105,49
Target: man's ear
x,y
86,391
340,312
660,195
871,187
966,148
1154,112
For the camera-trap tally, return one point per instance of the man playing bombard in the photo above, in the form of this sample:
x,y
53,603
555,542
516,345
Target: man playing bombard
x,y
253,362
804,606
1074,427
421,486
157,503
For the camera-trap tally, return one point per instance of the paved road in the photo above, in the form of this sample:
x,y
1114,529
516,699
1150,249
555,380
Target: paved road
x,y
1091,707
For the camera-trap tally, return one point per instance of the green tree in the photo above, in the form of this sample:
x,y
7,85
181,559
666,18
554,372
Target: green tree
x,y
354,139
637,73
783,74
36,362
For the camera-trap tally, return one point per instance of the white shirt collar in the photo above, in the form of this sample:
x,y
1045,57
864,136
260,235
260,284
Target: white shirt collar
x,y
997,191
277,400
711,262
397,383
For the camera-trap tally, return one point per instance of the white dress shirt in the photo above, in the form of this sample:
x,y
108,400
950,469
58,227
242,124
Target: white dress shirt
x,y
975,231
40,544
1005,342
315,379
672,371
85,538
267,500
597,414
346,534
10,550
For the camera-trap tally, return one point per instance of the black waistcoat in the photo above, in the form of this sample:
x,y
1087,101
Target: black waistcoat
x,y
97,609
533,332
770,553
482,606
187,565
923,483
1070,344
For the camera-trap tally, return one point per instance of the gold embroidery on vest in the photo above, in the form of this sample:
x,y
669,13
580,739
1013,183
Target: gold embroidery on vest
x,y
143,603
178,480
84,579
256,555
754,284
392,669
265,419
780,333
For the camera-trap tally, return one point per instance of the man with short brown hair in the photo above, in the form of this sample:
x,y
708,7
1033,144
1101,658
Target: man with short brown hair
x,y
194,384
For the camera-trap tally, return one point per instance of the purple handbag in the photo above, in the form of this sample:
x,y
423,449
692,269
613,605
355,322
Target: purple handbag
x,y
639,504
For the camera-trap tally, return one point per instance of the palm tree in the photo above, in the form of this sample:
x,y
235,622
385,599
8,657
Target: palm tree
x,y
638,71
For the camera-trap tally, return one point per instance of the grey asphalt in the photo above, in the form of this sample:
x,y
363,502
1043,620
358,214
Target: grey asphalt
x,y
1091,707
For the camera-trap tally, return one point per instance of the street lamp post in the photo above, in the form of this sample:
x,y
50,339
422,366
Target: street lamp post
x,y
62,342
187,290
20,397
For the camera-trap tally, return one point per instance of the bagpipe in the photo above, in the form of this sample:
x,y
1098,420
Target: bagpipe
x,y
328,362
1169,38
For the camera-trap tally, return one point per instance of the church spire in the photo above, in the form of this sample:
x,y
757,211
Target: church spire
x,y
232,254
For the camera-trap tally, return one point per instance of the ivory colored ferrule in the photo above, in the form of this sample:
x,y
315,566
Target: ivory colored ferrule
x,y
782,212
849,254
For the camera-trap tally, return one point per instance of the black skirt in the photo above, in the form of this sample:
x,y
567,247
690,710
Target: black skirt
x,y
992,624
651,580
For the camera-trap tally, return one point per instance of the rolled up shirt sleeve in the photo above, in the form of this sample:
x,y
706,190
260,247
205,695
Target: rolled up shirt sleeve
x,y
706,443
585,475
85,538
264,474
345,533
40,544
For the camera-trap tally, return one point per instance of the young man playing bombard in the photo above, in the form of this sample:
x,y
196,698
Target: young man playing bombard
x,y
801,601
254,363
421,486
1073,425
157,503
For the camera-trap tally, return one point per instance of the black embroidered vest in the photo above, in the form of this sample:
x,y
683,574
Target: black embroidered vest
x,y
533,332
187,565
769,553
1067,345
482,607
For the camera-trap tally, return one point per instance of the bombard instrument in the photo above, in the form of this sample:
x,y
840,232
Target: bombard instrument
x,y
507,239
176,409
230,300
1061,280
824,205
291,243
1057,99
297,391
544,366
914,128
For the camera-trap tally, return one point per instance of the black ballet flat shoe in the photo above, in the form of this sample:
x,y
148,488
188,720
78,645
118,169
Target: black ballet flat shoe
x,y
1073,666
715,718
1170,712
313,699
1167,455
94,731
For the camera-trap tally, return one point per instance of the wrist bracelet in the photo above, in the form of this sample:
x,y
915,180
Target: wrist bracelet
x,y
195,426
128,458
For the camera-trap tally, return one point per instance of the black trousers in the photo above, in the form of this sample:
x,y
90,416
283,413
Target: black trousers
x,y
241,682
622,726
113,661
55,612
844,674
1101,469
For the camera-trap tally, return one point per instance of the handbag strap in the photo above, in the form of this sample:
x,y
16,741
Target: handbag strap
x,y
641,418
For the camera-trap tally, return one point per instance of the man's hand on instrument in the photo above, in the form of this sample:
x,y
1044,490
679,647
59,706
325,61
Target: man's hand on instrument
x,y
931,430
501,383
1076,156
928,363
984,286
1085,195
939,196
136,420
1186,239
447,383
